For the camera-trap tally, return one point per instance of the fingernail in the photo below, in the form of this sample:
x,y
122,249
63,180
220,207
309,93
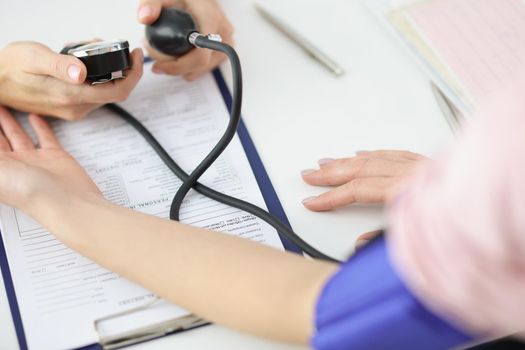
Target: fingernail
x,y
145,11
141,54
73,71
361,243
157,70
309,199
325,161
307,172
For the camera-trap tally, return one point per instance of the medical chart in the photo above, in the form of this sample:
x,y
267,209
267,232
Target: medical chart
x,y
469,48
59,292
482,42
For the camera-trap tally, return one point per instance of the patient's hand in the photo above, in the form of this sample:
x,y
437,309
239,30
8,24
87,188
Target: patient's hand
x,y
35,79
369,177
29,174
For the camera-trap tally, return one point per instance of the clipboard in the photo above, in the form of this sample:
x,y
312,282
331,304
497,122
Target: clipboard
x,y
187,322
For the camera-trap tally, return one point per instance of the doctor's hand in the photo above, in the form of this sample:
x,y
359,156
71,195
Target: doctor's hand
x,y
35,79
31,175
210,20
369,177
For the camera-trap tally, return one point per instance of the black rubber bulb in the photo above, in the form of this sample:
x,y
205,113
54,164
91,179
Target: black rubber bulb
x,y
169,33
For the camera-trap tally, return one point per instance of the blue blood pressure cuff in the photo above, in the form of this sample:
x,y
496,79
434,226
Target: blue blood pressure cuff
x,y
366,306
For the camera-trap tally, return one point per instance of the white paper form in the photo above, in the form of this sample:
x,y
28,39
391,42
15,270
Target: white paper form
x,y
481,43
59,292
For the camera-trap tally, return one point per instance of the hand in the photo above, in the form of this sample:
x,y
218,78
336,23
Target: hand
x,y
35,79
210,20
28,174
369,177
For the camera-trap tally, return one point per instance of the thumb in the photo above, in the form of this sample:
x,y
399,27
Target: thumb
x,y
67,68
148,11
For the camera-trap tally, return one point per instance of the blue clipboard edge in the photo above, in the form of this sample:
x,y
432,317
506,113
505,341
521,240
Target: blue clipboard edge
x,y
263,181
11,297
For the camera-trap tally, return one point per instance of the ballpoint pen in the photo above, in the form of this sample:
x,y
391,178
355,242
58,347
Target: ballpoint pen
x,y
302,42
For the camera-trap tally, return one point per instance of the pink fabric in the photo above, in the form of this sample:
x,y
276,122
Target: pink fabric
x,y
457,230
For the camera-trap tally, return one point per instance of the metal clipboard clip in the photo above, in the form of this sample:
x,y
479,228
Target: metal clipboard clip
x,y
141,334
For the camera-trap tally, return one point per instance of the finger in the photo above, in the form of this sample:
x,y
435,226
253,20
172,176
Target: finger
x,y
191,62
126,86
216,59
149,10
368,190
392,155
14,133
66,111
395,156
4,144
368,236
365,238
115,91
341,171
46,136
78,111
44,61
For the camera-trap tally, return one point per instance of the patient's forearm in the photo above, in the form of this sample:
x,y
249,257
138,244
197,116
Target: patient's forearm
x,y
225,279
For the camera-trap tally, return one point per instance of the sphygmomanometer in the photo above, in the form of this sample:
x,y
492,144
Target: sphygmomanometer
x,y
175,33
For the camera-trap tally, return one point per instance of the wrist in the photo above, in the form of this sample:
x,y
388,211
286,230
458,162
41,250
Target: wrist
x,y
60,211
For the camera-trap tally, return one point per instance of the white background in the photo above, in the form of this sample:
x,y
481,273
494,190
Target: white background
x,y
296,111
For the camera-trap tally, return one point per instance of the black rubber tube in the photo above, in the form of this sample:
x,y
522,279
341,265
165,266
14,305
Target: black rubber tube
x,y
190,181
229,133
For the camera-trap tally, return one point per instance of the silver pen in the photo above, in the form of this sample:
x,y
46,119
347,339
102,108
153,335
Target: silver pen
x,y
302,42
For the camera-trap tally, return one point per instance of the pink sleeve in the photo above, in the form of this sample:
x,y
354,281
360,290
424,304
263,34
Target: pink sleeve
x,y
457,230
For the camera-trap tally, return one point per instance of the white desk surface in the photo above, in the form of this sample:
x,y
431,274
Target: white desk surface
x,y
295,110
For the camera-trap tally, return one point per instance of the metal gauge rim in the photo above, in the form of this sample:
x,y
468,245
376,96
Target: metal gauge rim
x,y
99,48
